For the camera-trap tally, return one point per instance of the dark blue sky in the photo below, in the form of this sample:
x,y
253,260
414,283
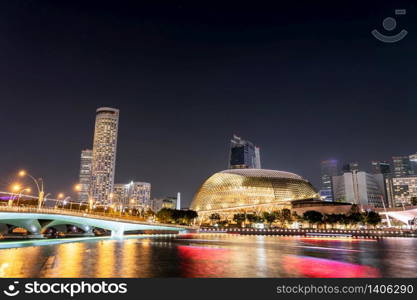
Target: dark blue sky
x,y
305,81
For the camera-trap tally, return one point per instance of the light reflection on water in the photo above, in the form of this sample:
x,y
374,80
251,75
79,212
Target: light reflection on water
x,y
207,255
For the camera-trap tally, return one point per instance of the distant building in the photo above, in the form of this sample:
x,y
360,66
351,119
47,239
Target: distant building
x,y
167,202
85,174
380,167
384,168
402,166
132,195
401,190
413,162
329,168
104,154
350,167
243,154
359,188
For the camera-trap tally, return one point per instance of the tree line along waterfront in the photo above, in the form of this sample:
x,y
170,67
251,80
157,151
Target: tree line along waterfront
x,y
286,218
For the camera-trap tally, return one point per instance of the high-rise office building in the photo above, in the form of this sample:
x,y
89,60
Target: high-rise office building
x,y
380,167
329,168
359,188
401,190
350,167
243,154
413,162
402,166
132,195
384,168
104,154
85,175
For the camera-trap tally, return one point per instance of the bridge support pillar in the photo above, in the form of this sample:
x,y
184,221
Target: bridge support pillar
x,y
117,233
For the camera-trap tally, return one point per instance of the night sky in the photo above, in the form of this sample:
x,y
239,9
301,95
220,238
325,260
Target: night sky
x,y
304,81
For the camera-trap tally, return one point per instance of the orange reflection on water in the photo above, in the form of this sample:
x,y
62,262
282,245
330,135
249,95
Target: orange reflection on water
x,y
16,262
68,261
105,259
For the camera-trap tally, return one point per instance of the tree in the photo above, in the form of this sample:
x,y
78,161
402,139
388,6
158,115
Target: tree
x,y
149,213
372,218
286,215
165,215
239,218
251,218
214,218
414,201
189,215
331,219
356,218
313,217
269,217
354,209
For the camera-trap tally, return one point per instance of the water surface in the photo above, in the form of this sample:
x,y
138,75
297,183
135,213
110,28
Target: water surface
x,y
215,255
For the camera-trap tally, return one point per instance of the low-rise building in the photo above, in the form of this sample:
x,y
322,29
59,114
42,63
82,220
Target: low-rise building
x,y
359,188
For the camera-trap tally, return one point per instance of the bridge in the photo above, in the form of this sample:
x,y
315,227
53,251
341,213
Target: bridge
x,y
37,220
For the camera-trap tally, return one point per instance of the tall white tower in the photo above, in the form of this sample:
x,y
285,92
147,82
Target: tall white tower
x,y
104,154
178,201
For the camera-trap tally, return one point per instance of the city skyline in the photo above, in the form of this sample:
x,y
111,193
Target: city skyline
x,y
182,100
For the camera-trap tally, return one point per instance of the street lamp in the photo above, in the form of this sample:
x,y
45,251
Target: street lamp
x,y
20,194
39,185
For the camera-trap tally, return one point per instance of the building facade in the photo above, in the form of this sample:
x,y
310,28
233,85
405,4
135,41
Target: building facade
x,y
380,167
413,162
329,168
401,190
167,202
250,191
402,166
350,167
104,154
243,154
132,195
359,188
85,175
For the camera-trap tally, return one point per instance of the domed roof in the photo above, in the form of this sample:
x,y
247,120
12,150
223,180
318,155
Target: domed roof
x,y
239,188
262,173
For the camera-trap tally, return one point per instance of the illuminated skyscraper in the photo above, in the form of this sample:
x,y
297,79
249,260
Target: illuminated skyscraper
x,y
329,169
133,195
243,154
402,166
104,154
85,174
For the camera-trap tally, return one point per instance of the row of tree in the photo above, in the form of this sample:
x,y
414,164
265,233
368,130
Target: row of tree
x,y
285,217
175,216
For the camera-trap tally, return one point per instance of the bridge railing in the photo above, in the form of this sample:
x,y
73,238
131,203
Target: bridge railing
x,y
93,215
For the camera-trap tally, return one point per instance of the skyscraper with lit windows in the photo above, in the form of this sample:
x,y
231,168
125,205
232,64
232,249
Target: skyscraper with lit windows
x,y
86,165
104,154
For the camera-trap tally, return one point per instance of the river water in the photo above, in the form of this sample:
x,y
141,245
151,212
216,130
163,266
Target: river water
x,y
215,255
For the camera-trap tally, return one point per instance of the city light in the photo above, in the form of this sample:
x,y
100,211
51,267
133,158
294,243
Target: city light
x,y
16,187
77,187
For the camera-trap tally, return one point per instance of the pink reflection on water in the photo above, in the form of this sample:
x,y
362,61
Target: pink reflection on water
x,y
325,268
203,261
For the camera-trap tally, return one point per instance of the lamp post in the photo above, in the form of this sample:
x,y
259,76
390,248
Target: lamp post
x,y
39,186
20,194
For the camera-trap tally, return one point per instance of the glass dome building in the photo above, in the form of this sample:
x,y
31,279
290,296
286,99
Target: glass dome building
x,y
250,190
